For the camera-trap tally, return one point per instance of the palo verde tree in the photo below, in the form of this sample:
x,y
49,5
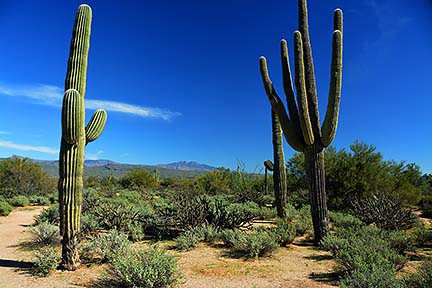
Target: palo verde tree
x,y
301,125
75,136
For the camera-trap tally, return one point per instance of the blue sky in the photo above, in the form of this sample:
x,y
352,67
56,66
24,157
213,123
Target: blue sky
x,y
180,79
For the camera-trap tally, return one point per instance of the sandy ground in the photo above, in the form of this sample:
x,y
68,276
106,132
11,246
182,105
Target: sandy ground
x,y
294,266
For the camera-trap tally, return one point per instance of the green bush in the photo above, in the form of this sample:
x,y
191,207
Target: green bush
x,y
39,200
359,248
152,268
253,245
45,260
426,205
19,201
45,233
422,278
186,241
422,235
105,247
385,212
344,220
5,208
300,218
229,237
375,277
283,233
50,215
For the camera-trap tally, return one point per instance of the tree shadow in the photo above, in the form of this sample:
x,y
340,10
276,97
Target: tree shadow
x,y
15,264
329,278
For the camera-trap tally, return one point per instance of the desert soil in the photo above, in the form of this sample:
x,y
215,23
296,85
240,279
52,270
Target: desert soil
x,y
295,266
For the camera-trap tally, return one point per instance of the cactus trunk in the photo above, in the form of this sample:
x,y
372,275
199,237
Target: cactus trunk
x,y
315,173
75,137
279,170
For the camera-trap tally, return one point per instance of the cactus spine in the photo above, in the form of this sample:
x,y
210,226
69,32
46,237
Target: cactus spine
x,y
301,124
74,138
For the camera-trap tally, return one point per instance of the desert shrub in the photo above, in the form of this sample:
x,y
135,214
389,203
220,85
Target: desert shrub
x,y
422,278
39,200
374,277
45,260
152,268
90,225
50,215
187,240
422,235
45,233
254,244
19,201
400,240
359,248
5,208
105,247
385,212
139,179
301,219
266,213
426,205
204,233
229,237
344,220
284,234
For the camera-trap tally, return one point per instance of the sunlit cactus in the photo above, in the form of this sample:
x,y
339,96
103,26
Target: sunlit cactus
x,y
74,138
301,123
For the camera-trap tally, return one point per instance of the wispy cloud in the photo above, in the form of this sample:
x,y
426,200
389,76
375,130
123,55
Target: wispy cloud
x,y
4,133
52,96
23,147
94,156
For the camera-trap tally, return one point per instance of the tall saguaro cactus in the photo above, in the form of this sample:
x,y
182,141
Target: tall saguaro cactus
x,y
75,136
301,125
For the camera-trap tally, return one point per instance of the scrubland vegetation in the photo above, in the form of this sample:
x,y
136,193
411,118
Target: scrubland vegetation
x,y
127,220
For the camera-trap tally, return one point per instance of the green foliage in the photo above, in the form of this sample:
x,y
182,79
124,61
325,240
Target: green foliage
x,y
422,278
45,233
19,201
106,247
50,215
385,212
139,179
423,235
426,205
374,277
5,208
21,176
215,182
344,220
45,260
360,248
355,174
39,200
152,268
204,233
284,234
301,219
252,244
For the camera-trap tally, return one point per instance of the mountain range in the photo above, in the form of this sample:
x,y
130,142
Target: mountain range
x,y
103,167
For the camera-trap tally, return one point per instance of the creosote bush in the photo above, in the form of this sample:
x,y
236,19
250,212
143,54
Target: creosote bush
x,y
105,247
5,208
19,201
149,268
50,215
45,260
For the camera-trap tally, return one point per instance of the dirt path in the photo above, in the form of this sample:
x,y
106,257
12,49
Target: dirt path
x,y
15,261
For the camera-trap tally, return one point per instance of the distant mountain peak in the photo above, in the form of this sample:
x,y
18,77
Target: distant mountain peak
x,y
187,166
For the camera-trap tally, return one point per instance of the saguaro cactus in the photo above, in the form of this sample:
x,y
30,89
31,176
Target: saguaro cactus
x,y
279,169
75,136
302,127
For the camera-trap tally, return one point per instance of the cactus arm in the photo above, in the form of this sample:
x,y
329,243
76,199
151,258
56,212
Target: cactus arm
x,y
277,105
331,118
302,100
269,165
80,45
71,116
96,125
338,20
287,84
311,89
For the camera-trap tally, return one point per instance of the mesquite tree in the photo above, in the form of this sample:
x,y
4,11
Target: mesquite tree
x,y
301,124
